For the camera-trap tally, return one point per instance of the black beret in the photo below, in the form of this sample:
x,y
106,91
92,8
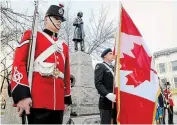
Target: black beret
x,y
106,51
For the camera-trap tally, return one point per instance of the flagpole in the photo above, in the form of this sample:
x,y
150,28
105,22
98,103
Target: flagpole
x,y
112,118
118,61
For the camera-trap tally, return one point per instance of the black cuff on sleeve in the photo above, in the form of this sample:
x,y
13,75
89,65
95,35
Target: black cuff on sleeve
x,y
20,92
68,100
104,94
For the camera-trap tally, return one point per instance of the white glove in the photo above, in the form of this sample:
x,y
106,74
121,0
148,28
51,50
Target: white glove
x,y
111,97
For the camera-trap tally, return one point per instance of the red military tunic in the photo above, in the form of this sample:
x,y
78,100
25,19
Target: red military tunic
x,y
168,96
47,92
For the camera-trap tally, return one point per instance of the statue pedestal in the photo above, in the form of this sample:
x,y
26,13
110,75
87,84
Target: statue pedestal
x,y
84,94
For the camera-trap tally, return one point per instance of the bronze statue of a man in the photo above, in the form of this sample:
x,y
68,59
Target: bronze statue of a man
x,y
79,32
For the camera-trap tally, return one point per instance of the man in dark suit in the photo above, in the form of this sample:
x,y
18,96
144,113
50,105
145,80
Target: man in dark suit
x,y
104,75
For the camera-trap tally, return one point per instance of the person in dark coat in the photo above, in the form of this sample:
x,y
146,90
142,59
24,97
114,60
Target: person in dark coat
x,y
79,32
161,104
104,75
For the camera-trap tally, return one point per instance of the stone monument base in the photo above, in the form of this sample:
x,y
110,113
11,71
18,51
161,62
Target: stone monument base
x,y
84,94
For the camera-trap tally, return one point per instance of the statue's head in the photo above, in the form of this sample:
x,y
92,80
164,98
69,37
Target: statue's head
x,y
80,14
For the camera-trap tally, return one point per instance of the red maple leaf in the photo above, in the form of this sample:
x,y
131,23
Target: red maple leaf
x,y
140,65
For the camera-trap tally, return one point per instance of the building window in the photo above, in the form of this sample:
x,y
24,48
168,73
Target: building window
x,y
163,81
162,67
175,82
174,65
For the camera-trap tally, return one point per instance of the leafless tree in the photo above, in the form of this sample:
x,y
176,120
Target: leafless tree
x,y
100,32
67,29
13,25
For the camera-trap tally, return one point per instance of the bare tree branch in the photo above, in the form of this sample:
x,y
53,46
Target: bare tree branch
x,y
100,32
12,27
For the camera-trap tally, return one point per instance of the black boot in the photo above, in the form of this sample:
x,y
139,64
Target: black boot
x,y
73,114
76,46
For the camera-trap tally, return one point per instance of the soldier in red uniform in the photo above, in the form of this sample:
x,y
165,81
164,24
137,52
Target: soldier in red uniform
x,y
169,102
50,89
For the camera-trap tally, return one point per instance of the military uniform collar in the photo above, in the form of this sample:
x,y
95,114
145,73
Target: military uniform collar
x,y
50,33
109,64
110,67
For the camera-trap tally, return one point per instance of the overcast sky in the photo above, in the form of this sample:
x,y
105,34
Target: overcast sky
x,y
157,21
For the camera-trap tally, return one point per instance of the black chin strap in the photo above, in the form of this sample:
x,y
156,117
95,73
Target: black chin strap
x,y
53,23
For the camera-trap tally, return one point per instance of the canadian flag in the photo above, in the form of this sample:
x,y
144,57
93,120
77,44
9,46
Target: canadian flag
x,y
136,80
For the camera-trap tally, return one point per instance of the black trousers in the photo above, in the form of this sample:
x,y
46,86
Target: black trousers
x,y
106,116
81,45
45,116
170,115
